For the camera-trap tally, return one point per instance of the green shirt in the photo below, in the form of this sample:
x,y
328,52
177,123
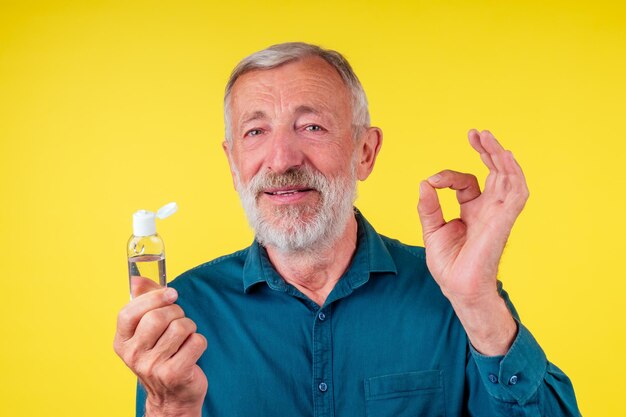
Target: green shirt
x,y
385,343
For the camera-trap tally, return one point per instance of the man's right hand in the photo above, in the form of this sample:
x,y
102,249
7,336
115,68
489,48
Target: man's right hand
x,y
161,346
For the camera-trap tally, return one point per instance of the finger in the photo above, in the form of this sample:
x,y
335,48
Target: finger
x,y
466,185
141,285
131,314
511,165
429,210
474,139
189,352
486,158
517,178
172,339
494,149
154,324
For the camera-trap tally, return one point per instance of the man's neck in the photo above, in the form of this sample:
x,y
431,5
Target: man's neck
x,y
315,272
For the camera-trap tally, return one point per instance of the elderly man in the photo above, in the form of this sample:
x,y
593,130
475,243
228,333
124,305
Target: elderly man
x,y
321,315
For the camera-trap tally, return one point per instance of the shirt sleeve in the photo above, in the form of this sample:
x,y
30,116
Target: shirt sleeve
x,y
140,401
522,382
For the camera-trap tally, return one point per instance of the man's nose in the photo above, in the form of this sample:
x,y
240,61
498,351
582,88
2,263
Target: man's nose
x,y
285,151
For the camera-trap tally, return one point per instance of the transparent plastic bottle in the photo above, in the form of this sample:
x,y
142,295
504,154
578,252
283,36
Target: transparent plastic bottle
x,y
146,250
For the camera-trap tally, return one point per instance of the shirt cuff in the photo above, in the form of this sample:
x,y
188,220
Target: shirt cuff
x,y
515,376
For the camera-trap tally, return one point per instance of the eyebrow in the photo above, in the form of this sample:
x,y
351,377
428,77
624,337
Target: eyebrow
x,y
257,115
307,109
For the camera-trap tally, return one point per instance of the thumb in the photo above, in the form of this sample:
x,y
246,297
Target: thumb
x,y
141,285
429,210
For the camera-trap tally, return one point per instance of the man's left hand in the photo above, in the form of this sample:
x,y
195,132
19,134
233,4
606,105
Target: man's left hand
x,y
463,254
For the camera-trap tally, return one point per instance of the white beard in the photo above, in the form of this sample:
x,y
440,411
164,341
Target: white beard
x,y
300,228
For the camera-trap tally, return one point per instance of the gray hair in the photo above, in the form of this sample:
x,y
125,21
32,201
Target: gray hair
x,y
283,53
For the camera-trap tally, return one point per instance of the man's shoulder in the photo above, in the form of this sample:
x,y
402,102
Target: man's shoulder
x,y
398,248
222,270
384,249
405,255
413,281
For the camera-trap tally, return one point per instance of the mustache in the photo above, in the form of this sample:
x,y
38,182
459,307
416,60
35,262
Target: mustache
x,y
303,176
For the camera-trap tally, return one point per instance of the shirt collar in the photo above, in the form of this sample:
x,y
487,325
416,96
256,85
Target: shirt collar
x,y
371,256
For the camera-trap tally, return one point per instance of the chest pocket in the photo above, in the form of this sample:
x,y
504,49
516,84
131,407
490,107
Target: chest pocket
x,y
411,394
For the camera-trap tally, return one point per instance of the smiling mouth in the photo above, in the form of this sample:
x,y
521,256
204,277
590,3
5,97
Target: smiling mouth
x,y
288,192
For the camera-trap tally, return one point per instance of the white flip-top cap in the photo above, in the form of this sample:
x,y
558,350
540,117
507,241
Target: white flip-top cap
x,y
167,210
144,221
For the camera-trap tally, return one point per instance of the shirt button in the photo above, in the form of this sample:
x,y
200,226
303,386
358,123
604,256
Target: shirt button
x,y
513,380
321,316
323,387
493,378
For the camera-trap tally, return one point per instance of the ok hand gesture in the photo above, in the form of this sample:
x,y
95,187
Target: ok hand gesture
x,y
463,254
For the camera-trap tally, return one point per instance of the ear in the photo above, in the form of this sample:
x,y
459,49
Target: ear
x,y
369,146
227,147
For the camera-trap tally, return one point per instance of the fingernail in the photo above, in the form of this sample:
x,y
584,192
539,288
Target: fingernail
x,y
434,178
170,294
422,188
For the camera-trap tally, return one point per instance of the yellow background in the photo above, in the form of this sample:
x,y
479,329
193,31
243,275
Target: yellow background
x,y
108,107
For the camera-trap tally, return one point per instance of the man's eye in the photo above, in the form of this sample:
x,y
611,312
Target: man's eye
x,y
313,128
253,132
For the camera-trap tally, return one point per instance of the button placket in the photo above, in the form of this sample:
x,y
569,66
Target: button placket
x,y
322,361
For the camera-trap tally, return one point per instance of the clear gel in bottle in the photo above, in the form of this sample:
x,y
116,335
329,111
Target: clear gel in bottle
x,y
146,250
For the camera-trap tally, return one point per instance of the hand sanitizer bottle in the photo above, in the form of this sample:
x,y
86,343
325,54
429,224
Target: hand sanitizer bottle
x,y
146,250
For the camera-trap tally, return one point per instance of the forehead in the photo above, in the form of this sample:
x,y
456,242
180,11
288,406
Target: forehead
x,y
308,81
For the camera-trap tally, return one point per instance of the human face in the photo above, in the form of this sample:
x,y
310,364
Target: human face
x,y
292,154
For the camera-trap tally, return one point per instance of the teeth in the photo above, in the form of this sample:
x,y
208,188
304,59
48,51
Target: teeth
x,y
285,192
